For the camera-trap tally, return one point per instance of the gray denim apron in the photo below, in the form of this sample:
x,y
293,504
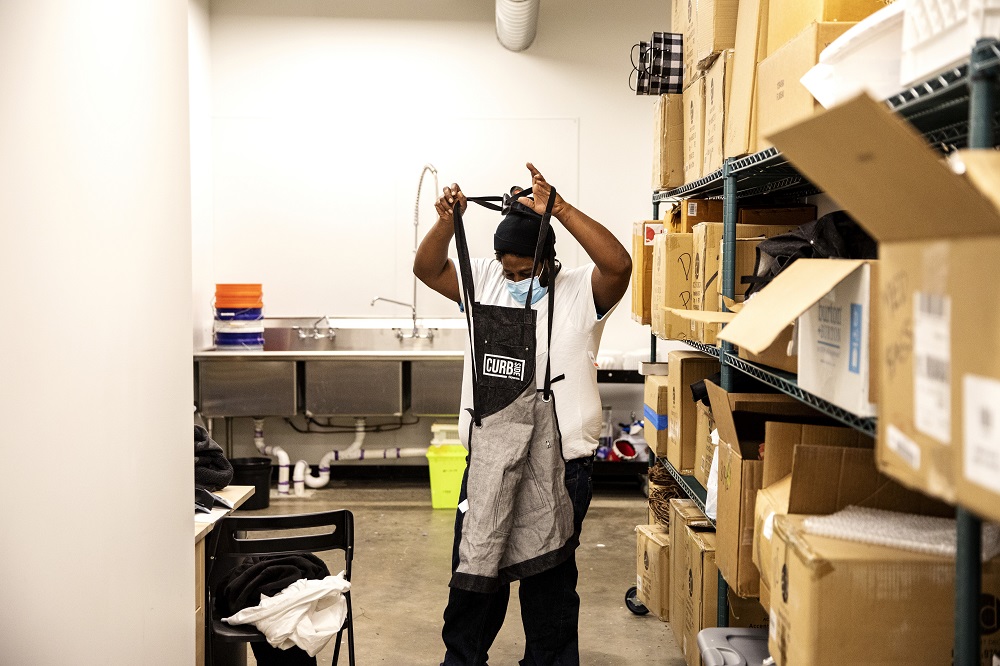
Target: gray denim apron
x,y
519,520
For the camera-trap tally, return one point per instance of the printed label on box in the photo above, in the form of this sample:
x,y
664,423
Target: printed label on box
x,y
651,230
828,334
692,209
932,365
903,446
854,360
769,525
981,425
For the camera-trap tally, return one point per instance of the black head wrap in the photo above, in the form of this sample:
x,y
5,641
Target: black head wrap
x,y
517,233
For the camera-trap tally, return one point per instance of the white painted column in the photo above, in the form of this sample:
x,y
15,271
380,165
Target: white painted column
x,y
96,552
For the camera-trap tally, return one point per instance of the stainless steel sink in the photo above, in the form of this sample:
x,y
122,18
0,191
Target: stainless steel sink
x,y
350,366
365,340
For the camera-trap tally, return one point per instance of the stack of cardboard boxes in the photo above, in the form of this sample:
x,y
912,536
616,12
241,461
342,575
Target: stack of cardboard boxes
x,y
676,263
742,63
938,227
677,578
906,334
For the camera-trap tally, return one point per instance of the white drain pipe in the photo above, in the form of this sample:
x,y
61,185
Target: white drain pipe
x,y
284,464
302,476
517,22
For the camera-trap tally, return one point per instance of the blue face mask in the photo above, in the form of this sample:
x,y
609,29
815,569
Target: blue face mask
x,y
519,290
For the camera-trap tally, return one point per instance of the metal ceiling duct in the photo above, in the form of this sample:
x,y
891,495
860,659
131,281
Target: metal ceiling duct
x,y
517,21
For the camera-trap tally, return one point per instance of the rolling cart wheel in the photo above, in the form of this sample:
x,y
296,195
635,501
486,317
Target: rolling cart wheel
x,y
634,604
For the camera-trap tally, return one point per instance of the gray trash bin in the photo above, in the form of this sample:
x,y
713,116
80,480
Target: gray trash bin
x,y
732,646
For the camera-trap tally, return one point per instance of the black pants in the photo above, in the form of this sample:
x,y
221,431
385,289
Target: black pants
x,y
550,606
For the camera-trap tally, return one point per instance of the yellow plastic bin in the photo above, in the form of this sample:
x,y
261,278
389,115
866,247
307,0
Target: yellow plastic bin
x,y
447,466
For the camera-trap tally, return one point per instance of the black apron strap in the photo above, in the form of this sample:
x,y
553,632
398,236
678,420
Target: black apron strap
x,y
469,297
543,256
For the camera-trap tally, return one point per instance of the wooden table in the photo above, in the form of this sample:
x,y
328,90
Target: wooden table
x,y
203,524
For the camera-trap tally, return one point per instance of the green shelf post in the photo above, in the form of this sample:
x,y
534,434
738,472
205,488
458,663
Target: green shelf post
x,y
728,285
968,567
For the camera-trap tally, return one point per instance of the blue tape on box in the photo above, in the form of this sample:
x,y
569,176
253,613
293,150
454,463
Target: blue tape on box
x,y
658,421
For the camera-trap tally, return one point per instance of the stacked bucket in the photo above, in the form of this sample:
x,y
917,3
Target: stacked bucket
x,y
239,317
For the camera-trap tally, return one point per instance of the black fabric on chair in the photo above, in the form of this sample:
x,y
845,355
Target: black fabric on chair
x,y
234,542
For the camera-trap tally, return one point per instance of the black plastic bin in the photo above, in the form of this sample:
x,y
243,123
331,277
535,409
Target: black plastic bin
x,y
254,472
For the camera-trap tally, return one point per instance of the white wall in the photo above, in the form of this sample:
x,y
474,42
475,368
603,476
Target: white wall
x,y
202,228
325,113
96,558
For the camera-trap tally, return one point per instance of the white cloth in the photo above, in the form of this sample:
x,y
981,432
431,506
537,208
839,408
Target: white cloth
x,y
307,614
576,336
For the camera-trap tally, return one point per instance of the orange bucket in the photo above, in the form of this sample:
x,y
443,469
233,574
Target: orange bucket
x,y
238,296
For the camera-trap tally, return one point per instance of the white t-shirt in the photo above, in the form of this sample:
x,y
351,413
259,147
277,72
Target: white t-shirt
x,y
576,335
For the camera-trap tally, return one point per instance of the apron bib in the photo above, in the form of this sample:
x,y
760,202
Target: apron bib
x,y
519,520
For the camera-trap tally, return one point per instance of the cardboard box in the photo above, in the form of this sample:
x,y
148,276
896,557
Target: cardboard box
x,y
694,130
689,212
683,512
718,84
704,448
716,30
784,216
828,469
685,21
939,245
652,569
701,602
781,99
668,142
642,268
831,468
673,261
705,281
699,589
788,18
832,300
835,601
751,48
776,355
686,368
656,397
741,420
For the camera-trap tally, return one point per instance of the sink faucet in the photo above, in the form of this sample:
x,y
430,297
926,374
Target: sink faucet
x,y
415,333
317,332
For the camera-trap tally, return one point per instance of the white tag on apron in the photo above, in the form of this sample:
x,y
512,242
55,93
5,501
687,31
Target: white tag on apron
x,y
463,506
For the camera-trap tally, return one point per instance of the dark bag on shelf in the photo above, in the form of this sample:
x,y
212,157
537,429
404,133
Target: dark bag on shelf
x,y
833,236
659,67
212,471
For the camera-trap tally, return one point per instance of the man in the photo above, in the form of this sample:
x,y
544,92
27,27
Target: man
x,y
581,299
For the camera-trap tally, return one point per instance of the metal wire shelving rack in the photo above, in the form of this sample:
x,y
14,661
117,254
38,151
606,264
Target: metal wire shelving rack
x,y
955,109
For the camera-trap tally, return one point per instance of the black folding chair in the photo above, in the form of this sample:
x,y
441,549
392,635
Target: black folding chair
x,y
233,542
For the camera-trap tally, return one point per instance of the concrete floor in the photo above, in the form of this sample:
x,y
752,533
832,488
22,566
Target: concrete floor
x,y
402,565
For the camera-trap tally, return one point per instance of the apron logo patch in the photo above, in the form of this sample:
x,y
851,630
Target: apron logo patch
x,y
503,367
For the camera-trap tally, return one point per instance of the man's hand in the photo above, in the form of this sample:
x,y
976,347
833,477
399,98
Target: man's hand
x,y
541,190
446,202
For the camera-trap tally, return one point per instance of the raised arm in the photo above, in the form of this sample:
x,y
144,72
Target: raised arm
x,y
431,264
613,262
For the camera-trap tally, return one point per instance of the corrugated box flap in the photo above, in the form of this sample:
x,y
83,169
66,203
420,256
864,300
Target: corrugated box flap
x,y
875,165
792,292
704,316
982,169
